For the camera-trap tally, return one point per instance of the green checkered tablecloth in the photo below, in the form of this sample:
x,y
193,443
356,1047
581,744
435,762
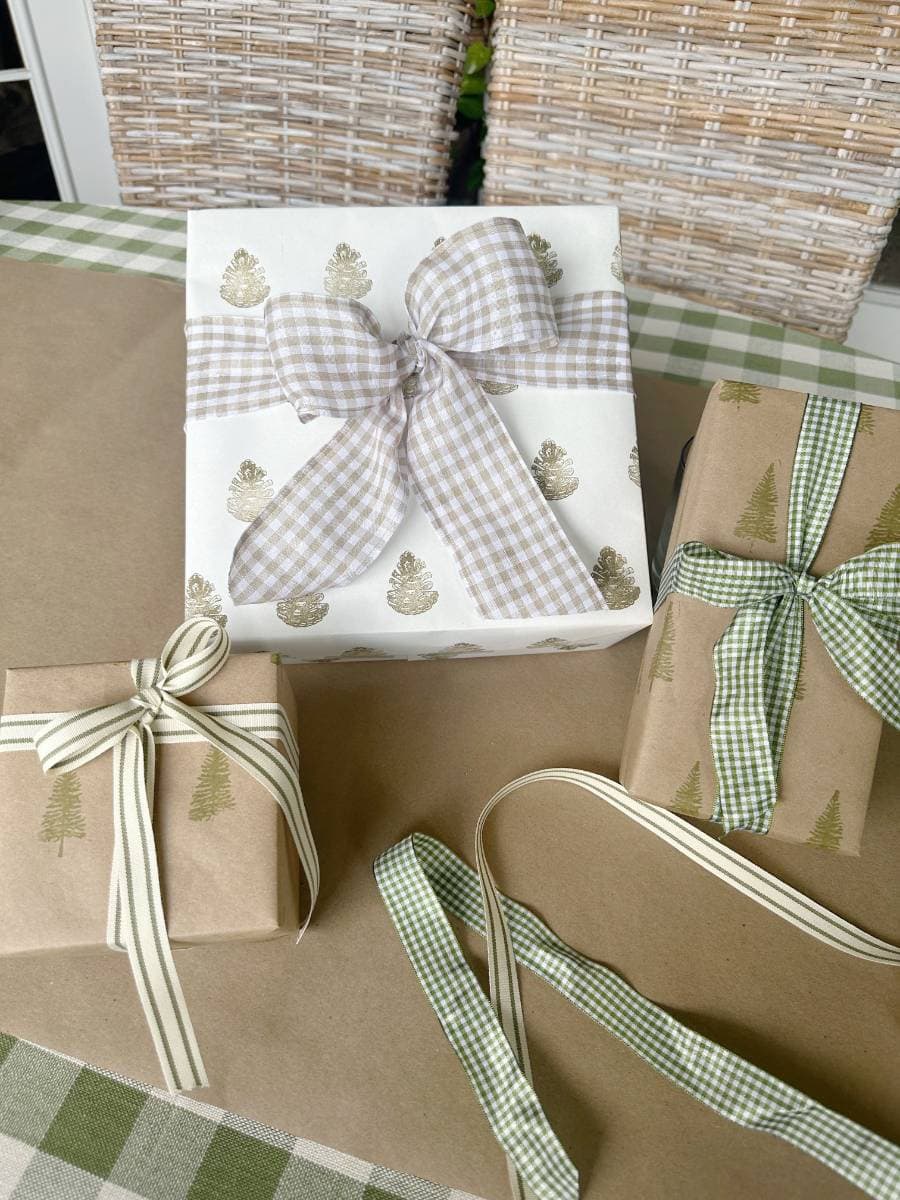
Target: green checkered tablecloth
x,y
68,1132
676,338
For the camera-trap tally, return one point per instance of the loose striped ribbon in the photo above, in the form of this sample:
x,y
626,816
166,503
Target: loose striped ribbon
x,y
195,652
422,882
855,610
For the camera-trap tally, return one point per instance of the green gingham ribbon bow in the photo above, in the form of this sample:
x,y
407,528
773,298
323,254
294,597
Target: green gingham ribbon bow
x,y
195,652
855,610
423,883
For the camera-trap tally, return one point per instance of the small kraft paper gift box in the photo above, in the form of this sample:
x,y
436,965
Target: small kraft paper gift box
x,y
772,659
410,432
152,805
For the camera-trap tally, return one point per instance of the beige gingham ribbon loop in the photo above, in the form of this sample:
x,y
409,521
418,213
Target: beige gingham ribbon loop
x,y
478,308
195,652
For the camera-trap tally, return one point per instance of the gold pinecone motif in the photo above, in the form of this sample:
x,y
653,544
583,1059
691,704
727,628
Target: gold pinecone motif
x,y
555,643
615,579
546,257
554,471
360,652
454,651
302,611
345,273
616,266
497,389
634,467
249,491
244,281
202,600
411,592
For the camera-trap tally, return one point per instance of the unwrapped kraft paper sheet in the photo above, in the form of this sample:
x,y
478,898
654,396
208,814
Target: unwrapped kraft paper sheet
x,y
334,1039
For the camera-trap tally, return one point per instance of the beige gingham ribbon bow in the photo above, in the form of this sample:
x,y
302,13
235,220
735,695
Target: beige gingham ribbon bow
x,y
479,308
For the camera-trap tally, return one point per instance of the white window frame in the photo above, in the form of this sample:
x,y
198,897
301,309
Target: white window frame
x,y
56,40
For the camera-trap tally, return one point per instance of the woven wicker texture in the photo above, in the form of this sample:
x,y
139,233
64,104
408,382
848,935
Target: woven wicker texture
x,y
217,102
754,148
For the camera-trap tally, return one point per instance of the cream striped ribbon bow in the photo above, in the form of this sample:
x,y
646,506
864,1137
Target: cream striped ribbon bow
x,y
479,308
195,652
422,882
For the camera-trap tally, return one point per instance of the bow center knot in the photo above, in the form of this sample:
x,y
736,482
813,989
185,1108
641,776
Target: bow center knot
x,y
804,584
151,700
413,354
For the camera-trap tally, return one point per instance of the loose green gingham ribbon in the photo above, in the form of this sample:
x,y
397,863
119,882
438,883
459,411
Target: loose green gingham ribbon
x,y
421,882
855,610
195,652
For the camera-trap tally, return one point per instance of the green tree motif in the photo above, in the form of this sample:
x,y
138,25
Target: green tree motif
x,y
887,527
249,491
737,393
202,600
302,611
689,797
757,522
615,579
213,791
662,664
244,281
866,422
546,258
345,273
411,592
554,471
63,817
829,828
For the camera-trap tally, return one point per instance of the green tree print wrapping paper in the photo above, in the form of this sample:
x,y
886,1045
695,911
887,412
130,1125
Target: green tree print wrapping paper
x,y
735,498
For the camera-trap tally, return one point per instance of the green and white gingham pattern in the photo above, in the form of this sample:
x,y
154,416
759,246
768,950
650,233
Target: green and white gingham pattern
x,y
676,338
421,882
68,1132
855,610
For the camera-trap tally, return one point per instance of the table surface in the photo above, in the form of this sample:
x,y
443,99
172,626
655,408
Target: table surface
x,y
45,1146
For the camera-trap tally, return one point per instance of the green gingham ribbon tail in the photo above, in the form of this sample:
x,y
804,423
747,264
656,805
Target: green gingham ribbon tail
x,y
423,883
194,653
855,610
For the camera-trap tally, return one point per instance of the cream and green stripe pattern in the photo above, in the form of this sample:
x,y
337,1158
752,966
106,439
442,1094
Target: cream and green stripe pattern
x,y
195,652
670,336
855,610
422,883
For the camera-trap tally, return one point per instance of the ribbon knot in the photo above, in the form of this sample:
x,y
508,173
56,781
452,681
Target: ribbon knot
x,y
855,610
151,700
478,308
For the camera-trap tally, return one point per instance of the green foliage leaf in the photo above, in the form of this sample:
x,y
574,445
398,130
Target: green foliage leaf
x,y
484,9
475,177
471,107
478,56
472,85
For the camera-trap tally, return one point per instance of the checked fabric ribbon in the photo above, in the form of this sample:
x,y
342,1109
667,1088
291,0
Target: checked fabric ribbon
x,y
479,308
855,610
423,883
195,652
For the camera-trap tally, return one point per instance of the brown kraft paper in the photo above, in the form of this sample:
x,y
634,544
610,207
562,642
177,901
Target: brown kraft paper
x,y
227,866
735,498
333,1040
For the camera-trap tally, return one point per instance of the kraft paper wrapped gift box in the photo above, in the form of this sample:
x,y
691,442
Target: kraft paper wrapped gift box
x,y
228,869
735,498
579,442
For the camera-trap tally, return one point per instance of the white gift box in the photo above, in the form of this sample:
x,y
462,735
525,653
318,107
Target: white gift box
x,y
417,608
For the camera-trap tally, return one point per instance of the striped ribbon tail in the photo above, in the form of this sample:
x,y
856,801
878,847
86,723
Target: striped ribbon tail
x,y
423,883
